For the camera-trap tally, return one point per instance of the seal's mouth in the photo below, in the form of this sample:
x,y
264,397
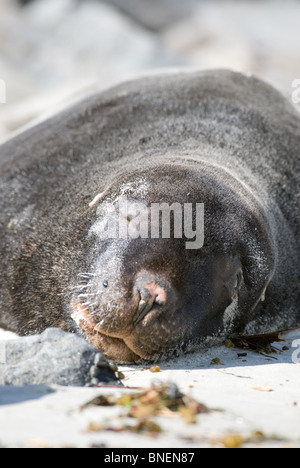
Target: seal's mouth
x,y
115,348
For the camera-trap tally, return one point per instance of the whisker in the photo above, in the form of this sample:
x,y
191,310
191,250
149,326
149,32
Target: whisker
x,y
79,288
88,304
86,275
94,312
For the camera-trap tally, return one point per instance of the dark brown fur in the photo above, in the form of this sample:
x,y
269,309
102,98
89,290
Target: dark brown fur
x,y
218,138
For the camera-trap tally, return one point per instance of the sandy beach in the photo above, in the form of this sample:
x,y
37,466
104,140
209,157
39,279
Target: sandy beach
x,y
253,398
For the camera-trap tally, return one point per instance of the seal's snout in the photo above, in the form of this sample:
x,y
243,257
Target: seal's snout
x,y
154,292
151,295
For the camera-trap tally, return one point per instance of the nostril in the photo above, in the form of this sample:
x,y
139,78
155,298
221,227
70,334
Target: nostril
x,y
160,300
146,294
152,293
143,308
156,292
149,296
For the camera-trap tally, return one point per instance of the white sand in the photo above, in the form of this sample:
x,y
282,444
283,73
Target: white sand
x,y
252,393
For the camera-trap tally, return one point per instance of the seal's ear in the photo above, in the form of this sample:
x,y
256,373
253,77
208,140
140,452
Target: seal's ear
x,y
258,266
234,281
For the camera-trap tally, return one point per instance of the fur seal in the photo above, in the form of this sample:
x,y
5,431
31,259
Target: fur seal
x,y
217,139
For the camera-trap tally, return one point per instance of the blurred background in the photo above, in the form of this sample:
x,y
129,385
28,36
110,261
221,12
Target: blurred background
x,y
53,50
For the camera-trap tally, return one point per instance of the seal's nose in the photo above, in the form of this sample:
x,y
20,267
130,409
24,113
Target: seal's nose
x,y
152,293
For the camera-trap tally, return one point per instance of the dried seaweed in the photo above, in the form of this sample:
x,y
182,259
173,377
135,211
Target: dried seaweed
x,y
262,343
158,400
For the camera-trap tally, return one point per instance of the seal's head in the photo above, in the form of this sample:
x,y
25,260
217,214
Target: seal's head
x,y
176,253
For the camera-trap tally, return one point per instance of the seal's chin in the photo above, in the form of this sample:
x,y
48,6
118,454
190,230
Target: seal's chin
x,y
115,348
